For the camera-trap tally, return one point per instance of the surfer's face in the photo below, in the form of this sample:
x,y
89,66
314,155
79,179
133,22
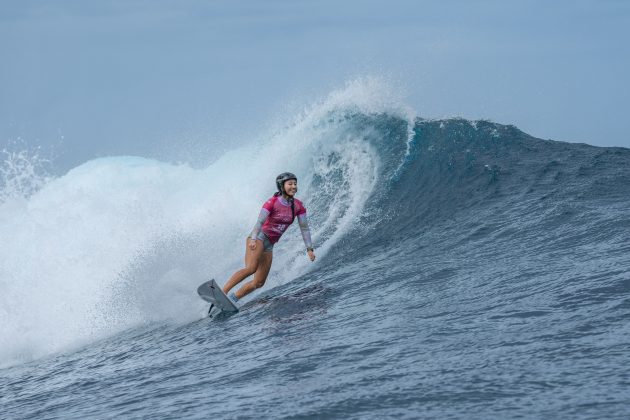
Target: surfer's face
x,y
290,187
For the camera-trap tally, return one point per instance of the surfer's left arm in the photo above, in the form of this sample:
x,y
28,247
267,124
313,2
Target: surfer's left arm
x,y
306,235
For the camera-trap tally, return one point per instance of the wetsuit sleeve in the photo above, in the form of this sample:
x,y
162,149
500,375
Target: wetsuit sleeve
x,y
306,232
262,216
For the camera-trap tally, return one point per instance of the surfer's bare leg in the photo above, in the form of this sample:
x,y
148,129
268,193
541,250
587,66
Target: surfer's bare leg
x,y
252,259
260,277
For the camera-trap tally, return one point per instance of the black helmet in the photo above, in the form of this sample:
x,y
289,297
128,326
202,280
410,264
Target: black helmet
x,y
280,179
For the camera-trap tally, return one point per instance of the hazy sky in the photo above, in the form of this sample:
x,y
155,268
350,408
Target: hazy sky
x,y
175,79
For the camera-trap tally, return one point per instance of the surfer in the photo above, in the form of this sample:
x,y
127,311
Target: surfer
x,y
276,215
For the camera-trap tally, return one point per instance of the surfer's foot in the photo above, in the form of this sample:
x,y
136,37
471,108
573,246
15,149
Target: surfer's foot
x,y
233,297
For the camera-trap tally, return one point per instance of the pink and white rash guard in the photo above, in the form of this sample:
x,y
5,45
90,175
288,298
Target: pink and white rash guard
x,y
276,216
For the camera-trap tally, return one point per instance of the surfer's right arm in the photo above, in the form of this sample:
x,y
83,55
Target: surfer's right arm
x,y
262,216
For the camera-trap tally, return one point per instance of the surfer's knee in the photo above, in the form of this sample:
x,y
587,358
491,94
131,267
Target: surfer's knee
x,y
258,283
249,270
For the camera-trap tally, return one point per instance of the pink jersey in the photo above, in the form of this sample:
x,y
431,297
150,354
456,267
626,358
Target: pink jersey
x,y
280,216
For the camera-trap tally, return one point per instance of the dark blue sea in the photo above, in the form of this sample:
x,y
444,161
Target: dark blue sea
x,y
465,270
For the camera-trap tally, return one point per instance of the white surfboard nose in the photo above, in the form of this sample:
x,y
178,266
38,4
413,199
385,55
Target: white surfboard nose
x,y
211,292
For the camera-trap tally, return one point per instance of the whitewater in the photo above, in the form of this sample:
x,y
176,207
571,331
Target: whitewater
x,y
465,270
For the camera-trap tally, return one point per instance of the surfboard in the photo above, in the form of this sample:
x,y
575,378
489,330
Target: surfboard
x,y
211,292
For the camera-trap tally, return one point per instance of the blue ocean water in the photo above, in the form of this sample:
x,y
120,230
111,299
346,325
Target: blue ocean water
x,y
465,270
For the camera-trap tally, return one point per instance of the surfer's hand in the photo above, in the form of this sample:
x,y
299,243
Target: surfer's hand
x,y
252,244
311,255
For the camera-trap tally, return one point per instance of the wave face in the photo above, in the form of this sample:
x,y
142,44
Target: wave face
x,y
464,269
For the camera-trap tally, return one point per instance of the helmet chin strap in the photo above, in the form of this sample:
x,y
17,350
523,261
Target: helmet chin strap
x,y
287,196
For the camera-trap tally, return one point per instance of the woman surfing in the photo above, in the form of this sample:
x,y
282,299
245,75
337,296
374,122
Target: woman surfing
x,y
276,215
